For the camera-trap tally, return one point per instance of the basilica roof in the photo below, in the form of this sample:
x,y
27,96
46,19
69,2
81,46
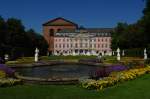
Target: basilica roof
x,y
60,22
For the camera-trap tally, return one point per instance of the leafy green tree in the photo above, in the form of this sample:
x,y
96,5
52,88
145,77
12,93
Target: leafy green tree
x,y
37,41
146,20
16,33
2,30
117,38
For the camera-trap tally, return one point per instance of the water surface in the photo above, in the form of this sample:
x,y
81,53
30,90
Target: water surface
x,y
63,70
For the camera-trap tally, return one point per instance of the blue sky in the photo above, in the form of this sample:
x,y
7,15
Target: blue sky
x,y
88,13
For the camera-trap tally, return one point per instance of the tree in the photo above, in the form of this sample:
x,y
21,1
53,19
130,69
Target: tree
x,y
17,42
146,20
2,30
117,39
16,33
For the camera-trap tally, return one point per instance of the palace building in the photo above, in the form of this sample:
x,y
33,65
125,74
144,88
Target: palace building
x,y
65,38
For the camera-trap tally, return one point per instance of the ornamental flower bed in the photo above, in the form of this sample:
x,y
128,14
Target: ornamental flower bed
x,y
5,74
9,72
105,71
2,74
5,82
115,78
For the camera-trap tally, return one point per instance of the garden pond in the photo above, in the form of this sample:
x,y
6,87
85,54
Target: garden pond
x,y
59,70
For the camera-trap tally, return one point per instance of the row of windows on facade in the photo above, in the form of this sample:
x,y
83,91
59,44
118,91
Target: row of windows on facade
x,y
81,45
81,40
76,51
93,34
51,33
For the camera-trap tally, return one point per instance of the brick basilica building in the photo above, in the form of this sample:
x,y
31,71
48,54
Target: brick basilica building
x,y
65,38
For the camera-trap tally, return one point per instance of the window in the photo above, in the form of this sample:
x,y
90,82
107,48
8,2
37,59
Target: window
x,y
67,45
56,45
106,39
81,45
106,46
86,45
59,45
102,39
76,45
51,32
90,45
63,45
76,40
102,45
71,45
94,45
98,45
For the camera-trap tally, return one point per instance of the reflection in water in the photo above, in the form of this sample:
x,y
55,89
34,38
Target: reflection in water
x,y
58,71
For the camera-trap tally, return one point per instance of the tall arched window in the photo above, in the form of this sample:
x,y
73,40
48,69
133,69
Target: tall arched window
x,y
51,32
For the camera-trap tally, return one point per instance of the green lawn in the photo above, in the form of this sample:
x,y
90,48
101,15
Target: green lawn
x,y
25,60
135,89
66,57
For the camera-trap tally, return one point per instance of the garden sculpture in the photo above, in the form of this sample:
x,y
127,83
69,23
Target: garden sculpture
x,y
145,54
6,57
123,53
36,54
118,54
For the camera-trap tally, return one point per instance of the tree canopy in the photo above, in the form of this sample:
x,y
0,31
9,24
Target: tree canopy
x,y
17,42
136,35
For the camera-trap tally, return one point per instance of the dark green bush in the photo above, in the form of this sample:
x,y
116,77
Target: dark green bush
x,y
136,52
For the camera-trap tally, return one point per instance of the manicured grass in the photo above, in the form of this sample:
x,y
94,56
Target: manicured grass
x,y
25,60
106,59
135,89
66,57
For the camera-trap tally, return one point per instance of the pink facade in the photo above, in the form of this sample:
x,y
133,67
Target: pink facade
x,y
82,46
103,44
61,43
65,38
